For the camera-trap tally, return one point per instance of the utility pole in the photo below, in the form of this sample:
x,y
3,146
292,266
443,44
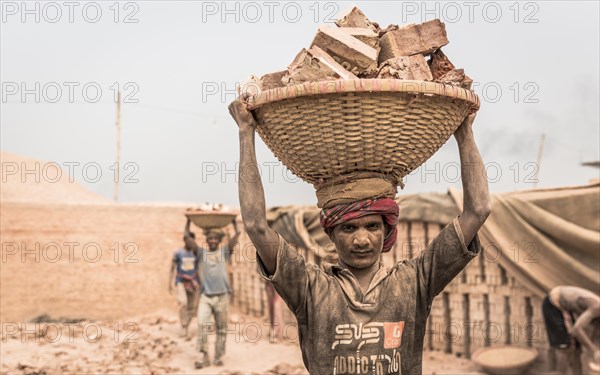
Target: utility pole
x,y
117,164
539,161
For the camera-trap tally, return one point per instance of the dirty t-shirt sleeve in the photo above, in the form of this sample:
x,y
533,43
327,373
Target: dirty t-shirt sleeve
x,y
291,275
445,257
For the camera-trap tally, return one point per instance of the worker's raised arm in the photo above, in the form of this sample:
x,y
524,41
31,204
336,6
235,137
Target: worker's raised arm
x,y
477,204
189,238
252,196
186,230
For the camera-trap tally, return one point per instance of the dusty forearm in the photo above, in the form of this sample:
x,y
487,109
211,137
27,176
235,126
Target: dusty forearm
x,y
252,204
476,196
252,195
186,230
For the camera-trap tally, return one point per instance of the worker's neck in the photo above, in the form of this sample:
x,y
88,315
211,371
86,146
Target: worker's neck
x,y
363,275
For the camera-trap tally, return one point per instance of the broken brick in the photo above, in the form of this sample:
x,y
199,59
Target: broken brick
x,y
413,39
367,36
439,64
272,80
354,55
354,17
314,65
406,67
457,77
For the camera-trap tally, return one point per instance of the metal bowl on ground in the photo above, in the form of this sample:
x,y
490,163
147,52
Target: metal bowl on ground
x,y
505,360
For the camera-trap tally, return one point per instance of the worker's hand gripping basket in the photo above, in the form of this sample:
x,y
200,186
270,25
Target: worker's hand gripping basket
x,y
328,132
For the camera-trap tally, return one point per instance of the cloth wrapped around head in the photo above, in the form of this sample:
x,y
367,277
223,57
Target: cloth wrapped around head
x,y
386,207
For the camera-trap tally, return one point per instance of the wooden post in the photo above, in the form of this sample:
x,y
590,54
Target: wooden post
x,y
246,295
117,164
467,324
447,322
409,238
430,333
253,300
482,275
503,276
507,337
486,319
529,320
539,161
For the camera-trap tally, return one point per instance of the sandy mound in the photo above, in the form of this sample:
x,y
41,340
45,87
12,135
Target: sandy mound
x,y
38,181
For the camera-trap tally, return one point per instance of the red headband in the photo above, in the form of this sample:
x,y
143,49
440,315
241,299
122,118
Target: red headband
x,y
386,207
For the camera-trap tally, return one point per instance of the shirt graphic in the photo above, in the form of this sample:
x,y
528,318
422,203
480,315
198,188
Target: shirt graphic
x,y
374,347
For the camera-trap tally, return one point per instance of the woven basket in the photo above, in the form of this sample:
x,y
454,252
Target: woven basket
x,y
208,219
324,130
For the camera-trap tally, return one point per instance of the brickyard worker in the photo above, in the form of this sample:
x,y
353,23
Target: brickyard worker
x,y
215,293
568,312
359,317
184,275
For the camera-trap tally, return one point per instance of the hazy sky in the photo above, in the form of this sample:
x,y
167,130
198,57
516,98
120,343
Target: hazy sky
x,y
535,67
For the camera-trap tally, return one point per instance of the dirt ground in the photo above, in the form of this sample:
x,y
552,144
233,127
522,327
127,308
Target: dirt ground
x,y
152,344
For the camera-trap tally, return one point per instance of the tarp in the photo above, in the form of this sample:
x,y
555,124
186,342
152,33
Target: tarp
x,y
548,237
543,238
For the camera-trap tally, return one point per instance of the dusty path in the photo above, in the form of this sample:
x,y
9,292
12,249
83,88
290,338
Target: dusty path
x,y
152,345
144,345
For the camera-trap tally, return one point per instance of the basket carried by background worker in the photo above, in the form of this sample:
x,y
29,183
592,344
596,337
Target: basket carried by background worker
x,y
210,219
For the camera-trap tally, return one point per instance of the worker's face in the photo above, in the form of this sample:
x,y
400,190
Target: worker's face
x,y
359,242
213,241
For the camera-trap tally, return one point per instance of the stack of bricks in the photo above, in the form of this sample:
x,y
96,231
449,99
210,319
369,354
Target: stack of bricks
x,y
358,48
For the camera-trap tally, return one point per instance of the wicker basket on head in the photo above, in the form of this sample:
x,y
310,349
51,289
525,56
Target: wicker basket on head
x,y
324,130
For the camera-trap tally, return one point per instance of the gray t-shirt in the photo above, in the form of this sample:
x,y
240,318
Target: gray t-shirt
x,y
342,331
213,271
